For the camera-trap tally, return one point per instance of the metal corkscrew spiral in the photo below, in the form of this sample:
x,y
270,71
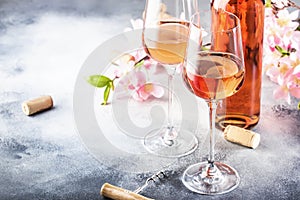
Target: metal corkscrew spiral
x,y
154,178
114,192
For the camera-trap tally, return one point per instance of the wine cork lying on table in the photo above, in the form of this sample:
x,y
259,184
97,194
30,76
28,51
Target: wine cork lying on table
x,y
242,136
117,193
37,105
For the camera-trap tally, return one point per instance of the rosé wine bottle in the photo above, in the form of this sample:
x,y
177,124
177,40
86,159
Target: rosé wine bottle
x,y
243,108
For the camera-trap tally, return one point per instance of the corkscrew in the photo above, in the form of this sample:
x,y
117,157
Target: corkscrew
x,y
117,193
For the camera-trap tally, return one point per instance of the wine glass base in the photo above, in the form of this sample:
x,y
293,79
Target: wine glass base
x,y
197,178
184,144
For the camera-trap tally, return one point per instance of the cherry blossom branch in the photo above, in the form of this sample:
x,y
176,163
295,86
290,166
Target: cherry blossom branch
x,y
281,5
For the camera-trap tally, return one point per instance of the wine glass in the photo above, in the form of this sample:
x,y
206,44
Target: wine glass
x,y
213,70
165,35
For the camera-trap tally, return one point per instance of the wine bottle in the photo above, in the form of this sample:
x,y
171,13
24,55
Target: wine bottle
x,y
243,108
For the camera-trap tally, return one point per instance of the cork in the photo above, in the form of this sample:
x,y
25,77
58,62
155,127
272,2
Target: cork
x,y
37,105
242,136
117,193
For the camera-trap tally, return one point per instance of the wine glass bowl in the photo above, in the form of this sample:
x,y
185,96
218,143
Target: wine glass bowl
x,y
167,43
164,37
215,76
213,70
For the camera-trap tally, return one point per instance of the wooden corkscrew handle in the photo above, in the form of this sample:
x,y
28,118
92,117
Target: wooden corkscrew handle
x,y
117,193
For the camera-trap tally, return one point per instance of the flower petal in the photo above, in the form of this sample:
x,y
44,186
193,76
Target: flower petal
x,y
280,93
295,92
157,91
273,74
147,90
143,93
136,96
296,70
139,78
131,87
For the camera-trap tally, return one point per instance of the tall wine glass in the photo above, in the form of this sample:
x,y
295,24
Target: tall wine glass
x,y
213,70
165,35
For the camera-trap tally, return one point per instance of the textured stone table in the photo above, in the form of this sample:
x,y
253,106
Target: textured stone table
x,y
43,45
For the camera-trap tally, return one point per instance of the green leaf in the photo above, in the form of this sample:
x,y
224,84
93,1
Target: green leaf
x,y
99,80
106,94
299,105
279,48
140,63
282,51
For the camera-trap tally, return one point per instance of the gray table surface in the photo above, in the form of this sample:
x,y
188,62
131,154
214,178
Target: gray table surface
x,y
43,45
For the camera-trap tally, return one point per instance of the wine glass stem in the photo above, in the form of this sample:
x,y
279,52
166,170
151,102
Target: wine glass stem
x,y
171,134
170,100
212,128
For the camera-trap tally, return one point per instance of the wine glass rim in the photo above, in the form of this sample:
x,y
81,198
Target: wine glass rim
x,y
236,26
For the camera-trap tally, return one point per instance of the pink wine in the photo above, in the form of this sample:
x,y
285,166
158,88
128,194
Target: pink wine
x,y
215,76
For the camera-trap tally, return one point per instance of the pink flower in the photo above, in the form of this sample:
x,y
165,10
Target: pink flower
x,y
124,65
289,85
273,74
133,80
280,3
142,90
282,51
282,93
280,29
148,89
127,62
294,83
148,63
